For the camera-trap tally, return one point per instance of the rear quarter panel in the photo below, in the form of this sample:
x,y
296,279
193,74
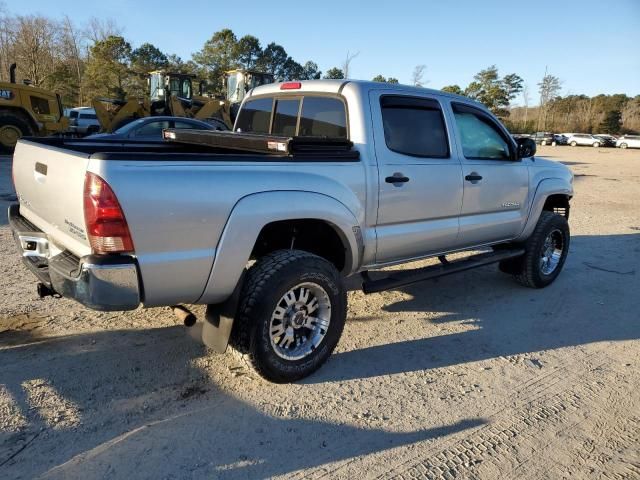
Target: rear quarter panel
x,y
177,210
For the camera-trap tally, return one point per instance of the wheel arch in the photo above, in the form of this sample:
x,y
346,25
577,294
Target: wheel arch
x,y
263,222
552,194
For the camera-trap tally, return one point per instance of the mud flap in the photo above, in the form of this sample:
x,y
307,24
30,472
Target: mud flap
x,y
218,321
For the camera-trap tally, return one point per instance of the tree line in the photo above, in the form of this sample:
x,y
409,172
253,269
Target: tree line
x,y
95,60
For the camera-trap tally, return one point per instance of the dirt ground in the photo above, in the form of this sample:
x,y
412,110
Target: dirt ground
x,y
470,376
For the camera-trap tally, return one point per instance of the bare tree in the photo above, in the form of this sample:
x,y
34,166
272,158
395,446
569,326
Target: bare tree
x,y
417,78
99,29
73,40
525,100
347,63
35,49
549,89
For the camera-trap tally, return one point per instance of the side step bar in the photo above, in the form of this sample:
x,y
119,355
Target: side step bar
x,y
401,278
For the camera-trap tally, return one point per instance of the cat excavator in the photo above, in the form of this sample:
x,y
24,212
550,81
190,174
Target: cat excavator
x,y
171,93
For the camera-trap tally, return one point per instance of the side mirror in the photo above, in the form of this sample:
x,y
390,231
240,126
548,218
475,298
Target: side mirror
x,y
526,147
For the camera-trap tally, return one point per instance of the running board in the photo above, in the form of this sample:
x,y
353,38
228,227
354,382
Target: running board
x,y
401,278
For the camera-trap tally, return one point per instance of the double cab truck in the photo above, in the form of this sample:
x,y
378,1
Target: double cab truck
x,y
319,180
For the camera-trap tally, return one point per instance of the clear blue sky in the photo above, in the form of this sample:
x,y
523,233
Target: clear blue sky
x,y
593,46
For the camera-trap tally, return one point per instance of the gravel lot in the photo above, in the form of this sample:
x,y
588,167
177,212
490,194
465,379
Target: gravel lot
x,y
470,376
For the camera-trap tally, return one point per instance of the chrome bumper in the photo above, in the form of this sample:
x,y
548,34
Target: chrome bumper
x,y
100,282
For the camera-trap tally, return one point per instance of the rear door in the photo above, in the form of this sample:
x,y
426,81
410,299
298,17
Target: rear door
x,y
420,181
496,183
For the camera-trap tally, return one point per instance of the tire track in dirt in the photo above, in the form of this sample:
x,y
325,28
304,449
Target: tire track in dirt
x,y
537,403
512,437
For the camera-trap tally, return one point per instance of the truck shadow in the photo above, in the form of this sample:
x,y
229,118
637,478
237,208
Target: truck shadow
x,y
105,404
595,299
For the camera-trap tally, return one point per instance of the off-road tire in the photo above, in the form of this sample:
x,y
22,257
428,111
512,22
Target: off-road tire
x,y
264,285
527,269
17,121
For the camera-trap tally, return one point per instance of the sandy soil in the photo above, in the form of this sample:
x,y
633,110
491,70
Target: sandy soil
x,y
470,376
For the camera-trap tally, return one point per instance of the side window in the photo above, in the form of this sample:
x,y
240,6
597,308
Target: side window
x,y
255,116
480,137
414,126
40,106
323,117
152,129
285,119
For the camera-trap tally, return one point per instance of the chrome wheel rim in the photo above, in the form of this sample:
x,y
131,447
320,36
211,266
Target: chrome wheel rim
x,y
300,321
552,250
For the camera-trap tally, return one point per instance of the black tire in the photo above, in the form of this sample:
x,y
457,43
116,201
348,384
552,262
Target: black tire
x,y
266,282
9,119
528,270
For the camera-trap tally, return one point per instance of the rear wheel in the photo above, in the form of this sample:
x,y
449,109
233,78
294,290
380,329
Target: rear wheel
x,y
12,128
545,252
596,144
291,314
543,142
623,145
573,144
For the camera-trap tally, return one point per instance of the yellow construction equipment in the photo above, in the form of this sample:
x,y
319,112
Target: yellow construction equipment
x,y
28,111
172,93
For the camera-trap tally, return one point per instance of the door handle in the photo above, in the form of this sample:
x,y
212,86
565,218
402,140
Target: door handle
x,y
397,178
473,177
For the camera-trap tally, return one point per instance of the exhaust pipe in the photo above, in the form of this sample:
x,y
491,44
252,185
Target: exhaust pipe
x,y
43,290
12,73
185,315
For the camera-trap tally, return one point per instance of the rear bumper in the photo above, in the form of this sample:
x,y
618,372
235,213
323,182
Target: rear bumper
x,y
100,282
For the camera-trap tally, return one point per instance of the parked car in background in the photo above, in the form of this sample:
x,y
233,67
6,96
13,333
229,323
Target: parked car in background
x,y
607,140
560,139
543,138
83,121
584,139
149,129
628,141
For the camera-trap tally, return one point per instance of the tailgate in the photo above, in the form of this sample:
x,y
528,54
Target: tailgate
x,y
50,184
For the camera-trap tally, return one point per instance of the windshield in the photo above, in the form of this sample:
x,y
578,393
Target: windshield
x,y
129,126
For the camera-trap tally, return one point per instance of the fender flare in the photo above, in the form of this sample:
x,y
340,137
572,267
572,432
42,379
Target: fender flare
x,y
253,212
546,188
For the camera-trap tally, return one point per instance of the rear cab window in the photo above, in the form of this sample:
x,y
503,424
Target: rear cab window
x,y
299,115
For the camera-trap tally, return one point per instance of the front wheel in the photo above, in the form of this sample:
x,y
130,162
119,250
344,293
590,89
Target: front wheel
x,y
292,311
623,145
545,252
596,144
573,144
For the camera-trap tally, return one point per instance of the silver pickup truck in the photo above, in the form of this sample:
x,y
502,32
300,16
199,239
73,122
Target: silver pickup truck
x,y
319,180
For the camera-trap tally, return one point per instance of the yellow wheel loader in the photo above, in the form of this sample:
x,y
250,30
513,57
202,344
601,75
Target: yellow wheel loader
x,y
172,94
28,111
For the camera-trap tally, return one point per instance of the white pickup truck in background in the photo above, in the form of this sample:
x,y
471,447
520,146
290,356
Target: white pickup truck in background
x,y
319,180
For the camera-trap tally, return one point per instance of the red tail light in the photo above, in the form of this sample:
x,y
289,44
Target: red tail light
x,y
290,86
106,226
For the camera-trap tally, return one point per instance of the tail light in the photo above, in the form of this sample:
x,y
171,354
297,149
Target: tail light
x,y
106,226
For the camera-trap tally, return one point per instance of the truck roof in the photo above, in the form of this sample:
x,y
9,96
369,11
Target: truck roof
x,y
336,86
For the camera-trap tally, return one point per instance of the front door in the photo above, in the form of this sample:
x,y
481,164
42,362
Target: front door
x,y
420,180
496,183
